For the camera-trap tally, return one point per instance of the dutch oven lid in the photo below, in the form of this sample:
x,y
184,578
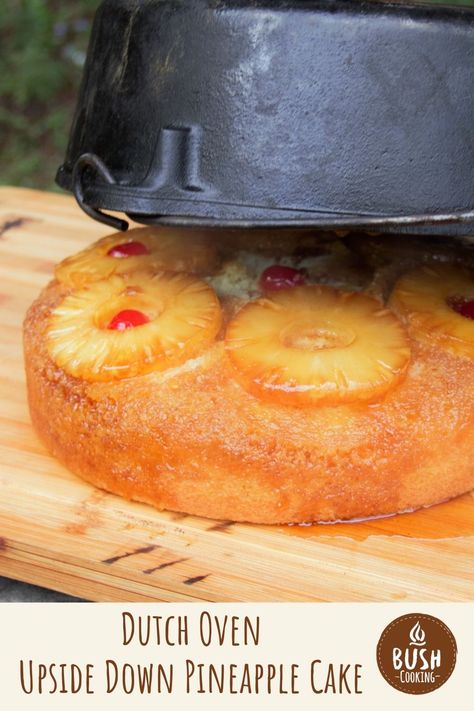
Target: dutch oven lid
x,y
286,112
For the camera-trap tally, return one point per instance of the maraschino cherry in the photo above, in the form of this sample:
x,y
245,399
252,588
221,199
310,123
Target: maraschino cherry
x,y
280,277
463,307
128,249
128,318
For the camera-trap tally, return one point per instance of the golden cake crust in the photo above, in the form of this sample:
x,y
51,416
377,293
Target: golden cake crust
x,y
193,439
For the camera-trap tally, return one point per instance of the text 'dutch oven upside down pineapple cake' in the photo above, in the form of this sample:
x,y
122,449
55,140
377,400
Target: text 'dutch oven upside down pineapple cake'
x,y
260,376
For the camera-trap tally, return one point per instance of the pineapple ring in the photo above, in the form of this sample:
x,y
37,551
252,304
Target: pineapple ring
x,y
317,345
170,249
184,318
424,299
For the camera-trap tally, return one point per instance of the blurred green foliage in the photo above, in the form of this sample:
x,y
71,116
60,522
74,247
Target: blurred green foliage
x,y
42,48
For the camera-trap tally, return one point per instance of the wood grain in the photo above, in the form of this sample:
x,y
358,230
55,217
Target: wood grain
x,y
57,531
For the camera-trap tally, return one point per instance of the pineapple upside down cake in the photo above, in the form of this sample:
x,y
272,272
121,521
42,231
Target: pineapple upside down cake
x,y
260,376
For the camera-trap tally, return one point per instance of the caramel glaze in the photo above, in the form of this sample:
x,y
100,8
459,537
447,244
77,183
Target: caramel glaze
x,y
452,519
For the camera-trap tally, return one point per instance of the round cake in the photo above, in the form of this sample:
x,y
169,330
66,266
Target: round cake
x,y
269,377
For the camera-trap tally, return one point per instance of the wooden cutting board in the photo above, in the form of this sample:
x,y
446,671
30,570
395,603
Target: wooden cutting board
x,y
59,532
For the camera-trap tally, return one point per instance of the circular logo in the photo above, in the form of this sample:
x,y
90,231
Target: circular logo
x,y
416,653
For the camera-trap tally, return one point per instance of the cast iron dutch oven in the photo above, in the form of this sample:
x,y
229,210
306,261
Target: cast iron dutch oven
x,y
277,112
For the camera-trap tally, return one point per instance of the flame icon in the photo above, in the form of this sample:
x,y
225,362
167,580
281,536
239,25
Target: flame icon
x,y
417,636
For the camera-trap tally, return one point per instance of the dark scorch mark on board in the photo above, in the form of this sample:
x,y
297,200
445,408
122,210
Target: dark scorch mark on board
x,y
221,526
11,224
136,551
149,571
197,579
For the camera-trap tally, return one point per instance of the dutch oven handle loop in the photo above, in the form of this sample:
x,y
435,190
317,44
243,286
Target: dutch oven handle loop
x,y
90,160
